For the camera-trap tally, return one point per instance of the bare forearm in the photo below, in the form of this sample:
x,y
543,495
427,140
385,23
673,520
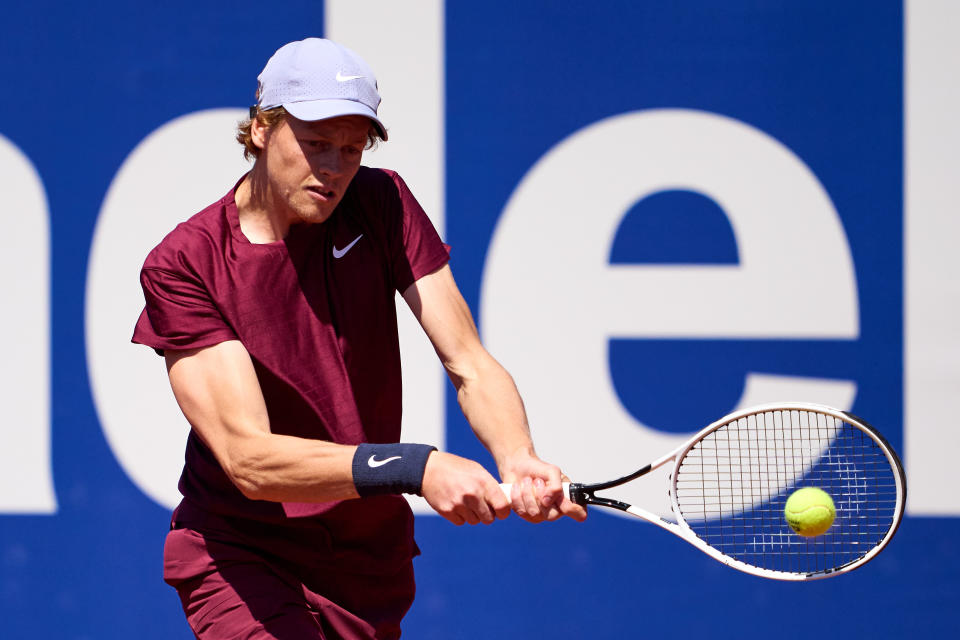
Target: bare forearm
x,y
288,469
491,403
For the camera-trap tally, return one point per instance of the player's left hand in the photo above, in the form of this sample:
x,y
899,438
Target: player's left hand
x,y
537,492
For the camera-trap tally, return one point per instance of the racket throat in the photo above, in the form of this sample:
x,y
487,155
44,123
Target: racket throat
x,y
584,495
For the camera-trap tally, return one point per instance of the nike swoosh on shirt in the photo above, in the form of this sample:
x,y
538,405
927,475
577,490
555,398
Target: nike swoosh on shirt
x,y
372,462
339,253
343,78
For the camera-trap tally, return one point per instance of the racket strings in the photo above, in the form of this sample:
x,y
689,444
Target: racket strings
x,y
731,489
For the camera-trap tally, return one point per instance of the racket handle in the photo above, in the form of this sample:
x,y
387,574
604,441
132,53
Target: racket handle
x,y
508,488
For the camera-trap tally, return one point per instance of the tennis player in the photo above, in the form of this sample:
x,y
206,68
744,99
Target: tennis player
x,y
274,309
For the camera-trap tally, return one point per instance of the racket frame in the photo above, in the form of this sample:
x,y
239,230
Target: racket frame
x,y
585,494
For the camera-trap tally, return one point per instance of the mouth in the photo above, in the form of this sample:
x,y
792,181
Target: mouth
x,y
319,193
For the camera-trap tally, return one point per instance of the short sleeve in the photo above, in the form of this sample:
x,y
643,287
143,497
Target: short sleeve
x,y
179,313
422,250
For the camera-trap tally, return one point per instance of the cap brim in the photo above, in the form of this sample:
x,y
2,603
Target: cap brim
x,y
313,110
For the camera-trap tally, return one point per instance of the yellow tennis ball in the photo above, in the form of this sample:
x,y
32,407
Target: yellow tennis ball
x,y
809,511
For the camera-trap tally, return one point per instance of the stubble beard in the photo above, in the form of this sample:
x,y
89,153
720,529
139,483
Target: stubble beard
x,y
303,209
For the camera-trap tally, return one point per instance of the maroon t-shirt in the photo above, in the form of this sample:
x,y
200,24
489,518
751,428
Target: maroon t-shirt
x,y
317,314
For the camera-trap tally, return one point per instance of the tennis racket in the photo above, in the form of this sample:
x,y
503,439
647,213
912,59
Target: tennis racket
x,y
731,480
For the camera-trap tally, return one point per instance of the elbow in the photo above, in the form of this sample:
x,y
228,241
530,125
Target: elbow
x,y
250,487
468,366
245,469
473,368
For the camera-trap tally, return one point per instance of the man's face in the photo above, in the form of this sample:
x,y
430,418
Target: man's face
x,y
310,164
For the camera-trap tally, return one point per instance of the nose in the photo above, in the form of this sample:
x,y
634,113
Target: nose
x,y
328,163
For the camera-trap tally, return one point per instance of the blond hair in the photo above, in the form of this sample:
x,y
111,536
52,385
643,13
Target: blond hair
x,y
272,117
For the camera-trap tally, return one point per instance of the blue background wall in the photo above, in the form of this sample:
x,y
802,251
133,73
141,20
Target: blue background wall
x,y
86,83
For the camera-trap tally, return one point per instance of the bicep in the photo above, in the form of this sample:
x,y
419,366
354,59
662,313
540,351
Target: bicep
x,y
218,391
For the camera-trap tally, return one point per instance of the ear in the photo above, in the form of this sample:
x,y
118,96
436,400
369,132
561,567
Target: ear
x,y
259,133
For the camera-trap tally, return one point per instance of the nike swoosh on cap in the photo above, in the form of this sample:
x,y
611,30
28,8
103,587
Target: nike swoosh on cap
x,y
372,462
343,78
339,253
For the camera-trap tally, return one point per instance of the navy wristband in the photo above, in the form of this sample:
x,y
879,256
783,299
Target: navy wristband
x,y
380,469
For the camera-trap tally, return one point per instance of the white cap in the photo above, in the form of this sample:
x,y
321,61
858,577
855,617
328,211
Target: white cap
x,y
316,79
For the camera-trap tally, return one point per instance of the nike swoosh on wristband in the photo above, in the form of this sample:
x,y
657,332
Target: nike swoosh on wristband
x,y
339,253
372,462
343,78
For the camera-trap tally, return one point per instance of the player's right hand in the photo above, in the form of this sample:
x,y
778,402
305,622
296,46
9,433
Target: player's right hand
x,y
462,491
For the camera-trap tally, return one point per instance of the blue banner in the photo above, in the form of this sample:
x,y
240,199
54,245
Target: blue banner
x,y
658,212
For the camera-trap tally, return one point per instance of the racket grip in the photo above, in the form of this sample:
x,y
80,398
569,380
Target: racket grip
x,y
507,488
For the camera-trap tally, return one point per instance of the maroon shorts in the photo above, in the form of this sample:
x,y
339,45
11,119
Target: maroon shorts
x,y
232,591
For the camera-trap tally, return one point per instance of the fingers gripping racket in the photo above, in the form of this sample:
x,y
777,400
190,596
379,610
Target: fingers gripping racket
x,y
731,480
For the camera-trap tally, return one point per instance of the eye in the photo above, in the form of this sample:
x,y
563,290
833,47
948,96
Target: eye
x,y
314,143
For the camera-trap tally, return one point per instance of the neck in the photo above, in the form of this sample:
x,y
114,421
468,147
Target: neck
x,y
258,219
